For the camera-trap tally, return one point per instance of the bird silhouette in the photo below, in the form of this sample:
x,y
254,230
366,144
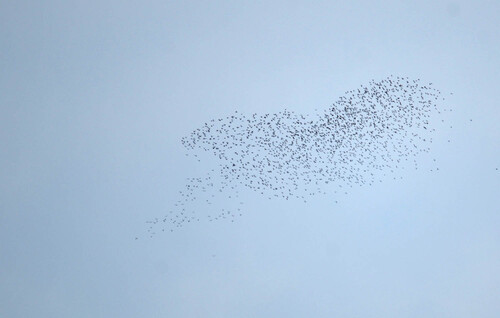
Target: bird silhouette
x,y
368,131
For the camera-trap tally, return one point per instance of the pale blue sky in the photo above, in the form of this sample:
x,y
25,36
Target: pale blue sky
x,y
96,95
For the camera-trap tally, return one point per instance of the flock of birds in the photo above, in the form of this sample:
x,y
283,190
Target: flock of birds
x,y
370,131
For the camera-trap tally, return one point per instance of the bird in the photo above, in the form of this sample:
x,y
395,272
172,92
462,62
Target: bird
x,y
370,130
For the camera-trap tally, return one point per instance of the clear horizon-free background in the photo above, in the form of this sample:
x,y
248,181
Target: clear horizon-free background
x,y
96,95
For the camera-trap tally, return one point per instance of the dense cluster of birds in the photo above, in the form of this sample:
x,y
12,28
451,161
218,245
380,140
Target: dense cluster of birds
x,y
376,128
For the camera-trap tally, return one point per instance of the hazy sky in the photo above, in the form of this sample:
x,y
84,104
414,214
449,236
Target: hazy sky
x,y
96,95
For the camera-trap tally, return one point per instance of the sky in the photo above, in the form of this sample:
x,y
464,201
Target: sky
x,y
95,97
